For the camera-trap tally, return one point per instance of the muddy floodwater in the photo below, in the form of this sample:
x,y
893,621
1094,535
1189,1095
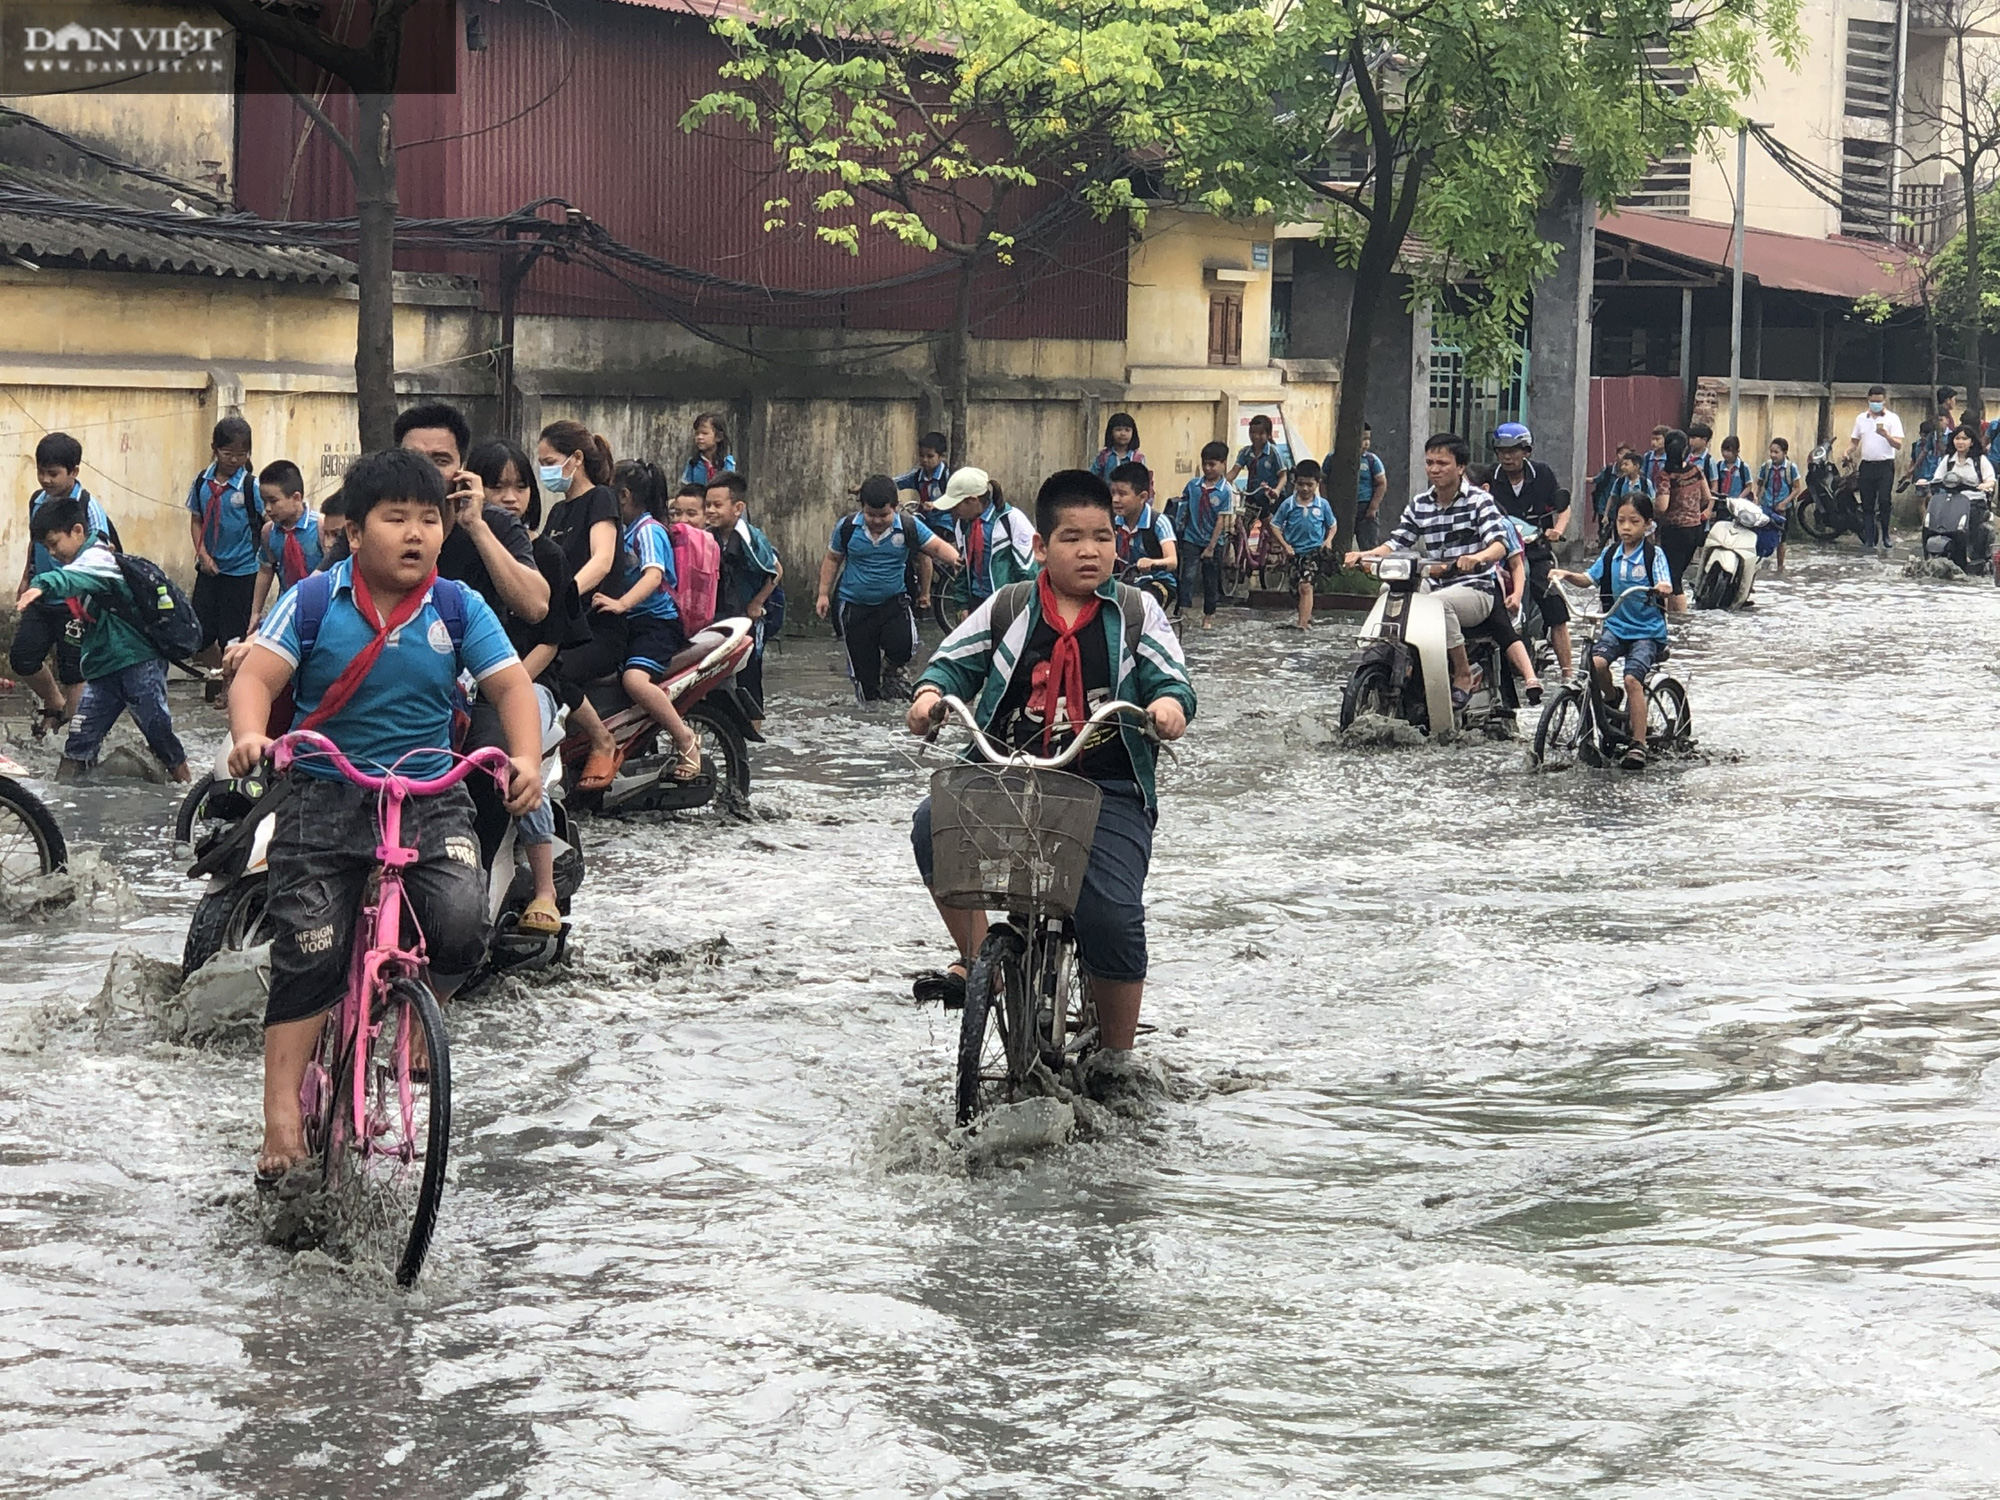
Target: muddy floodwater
x,y
1524,1135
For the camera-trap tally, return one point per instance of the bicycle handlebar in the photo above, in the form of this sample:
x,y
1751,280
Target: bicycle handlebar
x,y
491,759
1623,595
1002,756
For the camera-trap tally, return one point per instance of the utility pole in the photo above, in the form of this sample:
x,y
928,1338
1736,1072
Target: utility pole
x,y
1736,280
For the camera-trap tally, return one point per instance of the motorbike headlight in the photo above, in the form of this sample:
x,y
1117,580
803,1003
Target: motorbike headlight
x,y
1393,570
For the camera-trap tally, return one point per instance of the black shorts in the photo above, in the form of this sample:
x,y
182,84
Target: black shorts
x,y
47,623
651,641
603,655
222,604
321,857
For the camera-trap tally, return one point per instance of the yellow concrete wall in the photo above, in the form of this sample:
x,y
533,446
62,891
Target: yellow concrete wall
x,y
189,136
1167,305
1172,433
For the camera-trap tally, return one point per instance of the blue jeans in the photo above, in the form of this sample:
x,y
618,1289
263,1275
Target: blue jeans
x,y
141,688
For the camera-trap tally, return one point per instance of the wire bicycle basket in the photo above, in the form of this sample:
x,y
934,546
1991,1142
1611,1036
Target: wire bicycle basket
x,y
1011,838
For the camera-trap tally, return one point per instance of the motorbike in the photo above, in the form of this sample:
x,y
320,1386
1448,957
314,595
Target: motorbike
x,y
229,822
700,680
1725,569
1401,670
1831,500
1958,522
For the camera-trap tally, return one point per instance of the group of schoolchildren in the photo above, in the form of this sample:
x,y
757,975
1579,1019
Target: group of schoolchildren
x,y
1686,481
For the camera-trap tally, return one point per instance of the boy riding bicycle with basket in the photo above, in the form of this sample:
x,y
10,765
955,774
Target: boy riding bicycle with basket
x,y
377,673
1033,660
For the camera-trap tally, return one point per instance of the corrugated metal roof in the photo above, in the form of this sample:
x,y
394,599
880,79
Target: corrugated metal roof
x,y
102,246
1784,262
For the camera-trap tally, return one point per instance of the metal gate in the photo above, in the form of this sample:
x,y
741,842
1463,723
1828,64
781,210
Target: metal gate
x,y
1472,406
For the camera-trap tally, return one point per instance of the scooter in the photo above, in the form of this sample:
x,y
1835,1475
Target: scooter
x,y
1958,523
1401,669
229,822
1830,502
700,680
1725,569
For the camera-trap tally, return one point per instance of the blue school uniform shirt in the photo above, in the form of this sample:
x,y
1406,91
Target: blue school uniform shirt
x,y
407,701
1110,458
233,542
928,483
1262,468
1783,475
876,569
699,470
1202,503
1709,465
1652,464
1732,478
1131,548
96,520
1373,472
647,545
1634,619
271,551
1305,526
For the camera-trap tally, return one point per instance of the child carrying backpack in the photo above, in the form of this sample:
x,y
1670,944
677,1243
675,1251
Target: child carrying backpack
x,y
124,668
697,560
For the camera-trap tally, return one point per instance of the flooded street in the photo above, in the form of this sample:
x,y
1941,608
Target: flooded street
x,y
1528,1135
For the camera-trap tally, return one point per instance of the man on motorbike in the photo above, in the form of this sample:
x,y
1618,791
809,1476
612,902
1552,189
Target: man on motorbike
x,y
1462,530
1529,492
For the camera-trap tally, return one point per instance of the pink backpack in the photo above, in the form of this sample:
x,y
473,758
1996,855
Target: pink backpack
x,y
698,561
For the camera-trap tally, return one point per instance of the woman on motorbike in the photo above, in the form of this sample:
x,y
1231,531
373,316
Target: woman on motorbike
x,y
1965,466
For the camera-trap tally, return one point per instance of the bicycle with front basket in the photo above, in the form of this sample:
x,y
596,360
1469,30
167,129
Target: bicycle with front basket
x,y
1013,832
370,1111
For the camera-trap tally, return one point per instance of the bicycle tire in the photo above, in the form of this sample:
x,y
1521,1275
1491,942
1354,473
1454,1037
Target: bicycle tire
x,y
190,808
1669,720
35,840
416,1000
1001,958
1559,735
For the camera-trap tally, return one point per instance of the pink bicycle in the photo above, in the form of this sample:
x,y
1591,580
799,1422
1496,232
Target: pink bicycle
x,y
368,1111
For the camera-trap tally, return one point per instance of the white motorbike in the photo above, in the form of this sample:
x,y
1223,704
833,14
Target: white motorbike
x,y
1400,669
1725,569
229,823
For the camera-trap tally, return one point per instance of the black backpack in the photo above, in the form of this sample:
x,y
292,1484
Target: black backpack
x,y
159,609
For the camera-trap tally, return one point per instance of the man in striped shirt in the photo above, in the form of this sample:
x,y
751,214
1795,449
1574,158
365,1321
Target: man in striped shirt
x,y
1461,528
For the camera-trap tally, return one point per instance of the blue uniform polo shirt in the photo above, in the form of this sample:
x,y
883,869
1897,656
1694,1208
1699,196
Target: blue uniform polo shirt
x,y
647,545
97,521
406,703
1305,526
1635,619
876,567
1202,504
271,551
233,543
1131,548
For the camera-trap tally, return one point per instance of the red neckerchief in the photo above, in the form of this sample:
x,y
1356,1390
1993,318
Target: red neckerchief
x,y
211,513
293,565
348,683
1065,682
975,547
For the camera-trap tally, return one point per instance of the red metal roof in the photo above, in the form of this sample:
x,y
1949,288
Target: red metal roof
x,y
1844,268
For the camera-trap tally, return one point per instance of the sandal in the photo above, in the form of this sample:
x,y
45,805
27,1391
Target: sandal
x,y
947,986
541,918
687,762
1635,758
599,771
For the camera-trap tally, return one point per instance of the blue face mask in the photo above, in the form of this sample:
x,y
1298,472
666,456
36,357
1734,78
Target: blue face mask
x,y
552,478
1876,407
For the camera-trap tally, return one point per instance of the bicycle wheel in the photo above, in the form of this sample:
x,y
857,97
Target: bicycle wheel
x,y
1559,735
1069,1016
191,808
1229,563
995,994
30,843
1669,720
950,597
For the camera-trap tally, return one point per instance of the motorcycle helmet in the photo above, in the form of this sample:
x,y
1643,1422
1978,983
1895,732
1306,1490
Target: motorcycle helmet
x,y
1512,435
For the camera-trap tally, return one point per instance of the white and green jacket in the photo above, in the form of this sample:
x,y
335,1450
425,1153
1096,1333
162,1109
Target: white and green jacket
x,y
977,660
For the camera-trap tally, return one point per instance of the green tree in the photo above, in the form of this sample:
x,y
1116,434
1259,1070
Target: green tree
x,y
978,129
1428,137
368,67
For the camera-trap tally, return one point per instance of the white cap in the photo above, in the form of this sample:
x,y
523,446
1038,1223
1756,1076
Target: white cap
x,y
966,484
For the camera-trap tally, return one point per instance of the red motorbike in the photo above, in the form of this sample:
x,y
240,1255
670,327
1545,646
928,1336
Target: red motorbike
x,y
701,681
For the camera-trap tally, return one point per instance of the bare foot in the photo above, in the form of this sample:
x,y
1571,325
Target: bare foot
x,y
181,773
283,1149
